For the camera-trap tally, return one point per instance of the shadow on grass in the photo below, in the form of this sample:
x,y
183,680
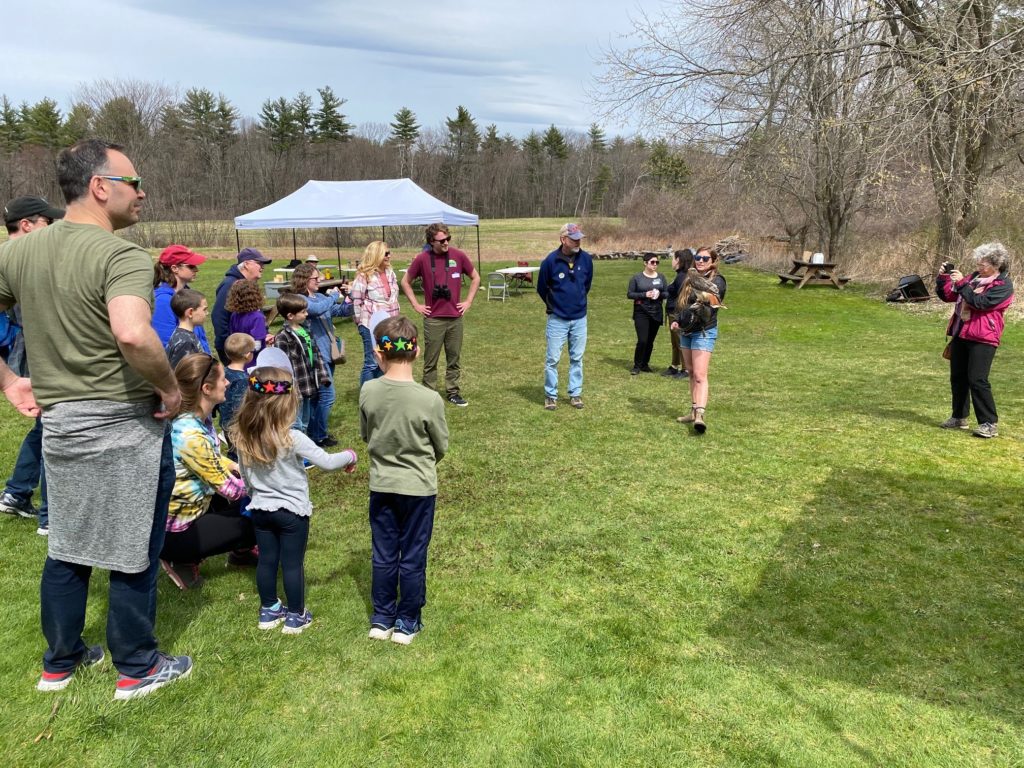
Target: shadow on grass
x,y
909,585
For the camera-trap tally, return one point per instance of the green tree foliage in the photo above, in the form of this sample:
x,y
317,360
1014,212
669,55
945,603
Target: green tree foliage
x,y
461,146
119,120
43,124
205,119
278,123
78,124
554,144
668,171
329,123
405,130
302,111
12,130
598,140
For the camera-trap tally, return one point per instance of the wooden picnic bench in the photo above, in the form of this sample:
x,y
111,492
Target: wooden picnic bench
x,y
813,273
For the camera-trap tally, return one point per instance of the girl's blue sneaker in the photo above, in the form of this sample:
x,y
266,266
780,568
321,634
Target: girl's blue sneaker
x,y
272,616
295,623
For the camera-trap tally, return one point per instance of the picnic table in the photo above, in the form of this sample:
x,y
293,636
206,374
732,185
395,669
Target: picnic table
x,y
806,272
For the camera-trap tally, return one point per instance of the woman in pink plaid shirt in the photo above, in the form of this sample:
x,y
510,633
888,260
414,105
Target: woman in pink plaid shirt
x,y
375,288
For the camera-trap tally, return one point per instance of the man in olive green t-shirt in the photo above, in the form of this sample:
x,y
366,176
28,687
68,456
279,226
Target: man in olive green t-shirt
x,y
105,389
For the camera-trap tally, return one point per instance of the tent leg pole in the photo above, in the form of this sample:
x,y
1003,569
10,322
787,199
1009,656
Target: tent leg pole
x,y
238,243
479,266
295,248
337,247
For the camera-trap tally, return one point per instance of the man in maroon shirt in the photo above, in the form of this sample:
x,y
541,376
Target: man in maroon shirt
x,y
441,268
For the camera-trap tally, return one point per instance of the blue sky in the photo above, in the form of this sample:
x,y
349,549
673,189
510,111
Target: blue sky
x,y
522,65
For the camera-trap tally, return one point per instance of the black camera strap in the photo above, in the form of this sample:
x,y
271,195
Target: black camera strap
x,y
433,268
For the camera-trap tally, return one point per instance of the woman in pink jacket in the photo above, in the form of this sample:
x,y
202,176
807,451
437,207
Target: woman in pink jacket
x,y
975,327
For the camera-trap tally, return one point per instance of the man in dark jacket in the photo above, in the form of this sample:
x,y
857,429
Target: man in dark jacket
x,y
563,284
249,267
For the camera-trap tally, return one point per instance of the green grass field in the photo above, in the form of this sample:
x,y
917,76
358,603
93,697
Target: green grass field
x,y
823,579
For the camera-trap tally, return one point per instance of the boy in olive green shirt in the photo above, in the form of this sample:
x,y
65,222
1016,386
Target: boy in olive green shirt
x,y
406,434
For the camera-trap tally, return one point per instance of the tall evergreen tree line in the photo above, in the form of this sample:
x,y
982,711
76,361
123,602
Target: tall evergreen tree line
x,y
200,159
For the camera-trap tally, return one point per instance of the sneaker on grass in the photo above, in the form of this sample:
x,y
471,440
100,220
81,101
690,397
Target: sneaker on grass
x,y
272,616
954,423
295,623
986,430
58,681
576,402
550,403
164,672
380,632
458,400
405,632
14,505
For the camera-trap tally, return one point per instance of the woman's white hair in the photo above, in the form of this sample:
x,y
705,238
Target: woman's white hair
x,y
993,253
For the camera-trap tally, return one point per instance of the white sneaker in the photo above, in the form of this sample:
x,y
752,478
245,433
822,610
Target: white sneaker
x,y
380,632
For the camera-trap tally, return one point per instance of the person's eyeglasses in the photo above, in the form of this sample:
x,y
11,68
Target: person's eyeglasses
x,y
314,279
387,254
653,262
442,240
47,219
702,258
135,182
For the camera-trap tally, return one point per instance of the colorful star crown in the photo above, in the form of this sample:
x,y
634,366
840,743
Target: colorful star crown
x,y
269,386
397,344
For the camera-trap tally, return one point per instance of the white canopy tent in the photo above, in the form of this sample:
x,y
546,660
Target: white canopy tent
x,y
337,204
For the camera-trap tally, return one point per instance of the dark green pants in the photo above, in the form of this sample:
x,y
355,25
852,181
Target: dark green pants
x,y
446,333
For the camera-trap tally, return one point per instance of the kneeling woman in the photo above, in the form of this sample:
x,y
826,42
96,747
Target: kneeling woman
x,y
204,517
698,344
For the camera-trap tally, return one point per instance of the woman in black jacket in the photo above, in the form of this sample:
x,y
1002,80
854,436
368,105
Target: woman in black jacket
x,y
682,260
647,290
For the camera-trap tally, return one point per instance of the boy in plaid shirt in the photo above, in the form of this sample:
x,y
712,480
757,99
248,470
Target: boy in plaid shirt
x,y
309,368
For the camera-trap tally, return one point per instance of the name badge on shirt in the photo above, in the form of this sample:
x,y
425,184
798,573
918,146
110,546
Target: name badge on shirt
x,y
656,282
456,274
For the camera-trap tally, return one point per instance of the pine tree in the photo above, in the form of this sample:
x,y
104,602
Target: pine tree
x,y
554,144
43,123
329,123
278,124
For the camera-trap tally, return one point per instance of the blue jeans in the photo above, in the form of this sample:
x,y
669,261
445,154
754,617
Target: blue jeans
x,y
281,536
370,369
321,409
401,527
131,599
557,332
30,472
303,415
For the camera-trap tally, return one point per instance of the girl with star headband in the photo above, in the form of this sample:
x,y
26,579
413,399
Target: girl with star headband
x,y
271,453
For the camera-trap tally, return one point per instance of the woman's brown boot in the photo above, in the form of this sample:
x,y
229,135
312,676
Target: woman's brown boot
x,y
698,421
689,418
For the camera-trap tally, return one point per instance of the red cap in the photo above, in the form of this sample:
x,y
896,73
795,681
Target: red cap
x,y
179,254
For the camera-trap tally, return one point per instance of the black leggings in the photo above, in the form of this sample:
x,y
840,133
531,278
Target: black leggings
x,y
220,529
282,536
646,332
969,364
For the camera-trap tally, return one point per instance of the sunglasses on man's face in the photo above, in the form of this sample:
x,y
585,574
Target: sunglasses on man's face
x,y
653,262
441,241
135,182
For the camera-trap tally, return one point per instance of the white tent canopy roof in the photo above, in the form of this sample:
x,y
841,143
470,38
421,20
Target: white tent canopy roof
x,y
381,203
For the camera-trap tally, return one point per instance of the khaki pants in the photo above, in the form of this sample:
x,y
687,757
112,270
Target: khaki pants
x,y
443,332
